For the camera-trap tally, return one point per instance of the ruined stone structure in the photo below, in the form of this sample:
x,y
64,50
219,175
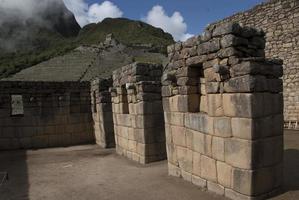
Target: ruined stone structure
x,y
223,108
102,112
44,114
137,112
280,21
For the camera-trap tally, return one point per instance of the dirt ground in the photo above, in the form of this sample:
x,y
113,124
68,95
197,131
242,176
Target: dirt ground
x,y
91,173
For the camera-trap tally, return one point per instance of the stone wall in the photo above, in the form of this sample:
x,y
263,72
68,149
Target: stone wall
x,y
44,114
102,112
280,20
138,113
223,108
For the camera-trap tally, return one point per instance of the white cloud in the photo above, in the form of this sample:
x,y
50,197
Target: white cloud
x,y
94,13
174,24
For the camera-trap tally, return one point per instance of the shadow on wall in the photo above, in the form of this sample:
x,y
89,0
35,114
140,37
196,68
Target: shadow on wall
x,y
291,172
17,187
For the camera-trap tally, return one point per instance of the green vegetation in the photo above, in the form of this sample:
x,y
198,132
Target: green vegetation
x,y
47,44
128,32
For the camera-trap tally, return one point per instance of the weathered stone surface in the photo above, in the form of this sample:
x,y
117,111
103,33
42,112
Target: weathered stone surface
x,y
184,103
209,47
246,83
212,87
174,118
216,188
222,126
218,148
256,182
215,105
224,174
178,135
239,153
196,180
243,105
203,104
208,169
199,122
184,156
232,40
256,68
227,28
202,143
196,164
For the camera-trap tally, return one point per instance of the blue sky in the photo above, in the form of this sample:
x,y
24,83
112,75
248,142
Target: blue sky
x,y
195,13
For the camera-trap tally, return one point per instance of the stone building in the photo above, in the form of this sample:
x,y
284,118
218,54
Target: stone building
x,y
223,108
102,112
138,113
280,21
44,114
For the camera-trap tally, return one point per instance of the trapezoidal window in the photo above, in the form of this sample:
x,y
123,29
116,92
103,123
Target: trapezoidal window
x,y
124,103
17,106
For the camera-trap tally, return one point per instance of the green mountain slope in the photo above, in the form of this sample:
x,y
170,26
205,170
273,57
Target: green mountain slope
x,y
128,32
27,41
50,44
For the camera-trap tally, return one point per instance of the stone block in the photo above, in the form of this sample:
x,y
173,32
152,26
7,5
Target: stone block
x,y
256,182
189,138
211,75
244,105
196,164
246,83
212,87
172,154
184,157
179,135
203,90
216,188
195,61
203,104
199,122
224,174
215,105
222,126
227,28
229,52
218,148
166,104
132,145
270,151
187,176
209,47
208,169
166,91
174,170
196,180
245,128
211,63
241,153
257,68
232,40
184,103
174,118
